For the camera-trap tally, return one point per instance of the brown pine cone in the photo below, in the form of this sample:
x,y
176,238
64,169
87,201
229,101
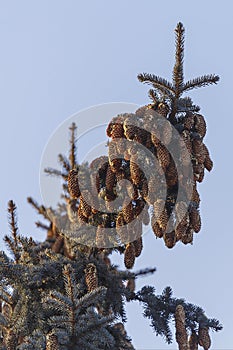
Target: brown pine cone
x,y
138,245
131,285
52,341
163,156
195,219
163,219
110,179
158,207
193,341
58,244
181,334
128,212
129,256
10,340
189,120
162,109
195,195
169,239
200,125
73,186
171,174
187,236
86,208
204,338
135,171
91,277
155,227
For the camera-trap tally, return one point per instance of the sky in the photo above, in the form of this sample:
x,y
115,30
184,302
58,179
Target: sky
x,y
60,57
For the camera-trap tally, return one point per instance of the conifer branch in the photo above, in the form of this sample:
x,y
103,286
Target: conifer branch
x,y
39,208
55,172
205,80
158,83
13,243
64,163
178,75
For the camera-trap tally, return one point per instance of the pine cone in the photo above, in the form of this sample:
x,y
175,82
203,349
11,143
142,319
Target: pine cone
x,y
195,195
128,212
10,340
73,186
162,109
187,236
163,219
135,171
204,338
171,174
158,207
195,219
193,341
86,208
81,216
181,334
131,285
58,244
138,245
155,227
200,125
163,156
129,257
188,121
110,179
169,239
91,277
52,341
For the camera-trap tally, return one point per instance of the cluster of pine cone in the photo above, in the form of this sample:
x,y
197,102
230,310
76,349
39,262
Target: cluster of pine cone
x,y
201,337
160,162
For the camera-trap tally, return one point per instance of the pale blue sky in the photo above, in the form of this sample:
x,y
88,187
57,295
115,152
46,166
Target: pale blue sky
x,y
58,57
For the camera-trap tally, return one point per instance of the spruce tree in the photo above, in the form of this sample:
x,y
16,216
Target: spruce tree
x,y
65,293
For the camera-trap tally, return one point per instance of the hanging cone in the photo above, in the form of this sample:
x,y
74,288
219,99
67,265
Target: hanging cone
x,y
158,207
195,195
144,188
10,340
195,219
138,245
162,109
204,338
200,125
91,277
58,244
189,120
128,212
163,156
135,171
193,341
198,172
171,174
181,334
155,227
169,239
86,208
82,218
208,163
181,209
129,257
131,285
73,186
110,179
187,236
52,341
163,219
185,135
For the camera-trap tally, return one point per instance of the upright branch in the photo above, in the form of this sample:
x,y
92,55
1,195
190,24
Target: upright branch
x,y
172,92
13,242
72,156
178,75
